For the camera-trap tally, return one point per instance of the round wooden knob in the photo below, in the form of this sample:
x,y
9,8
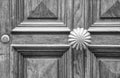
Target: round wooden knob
x,y
5,38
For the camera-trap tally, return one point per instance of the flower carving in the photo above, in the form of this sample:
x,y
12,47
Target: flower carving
x,y
79,38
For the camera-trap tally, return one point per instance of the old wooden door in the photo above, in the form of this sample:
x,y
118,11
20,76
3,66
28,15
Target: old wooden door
x,y
102,18
34,39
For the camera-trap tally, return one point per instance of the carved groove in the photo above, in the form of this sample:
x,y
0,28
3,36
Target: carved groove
x,y
35,61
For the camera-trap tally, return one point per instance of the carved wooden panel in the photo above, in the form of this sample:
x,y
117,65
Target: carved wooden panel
x,y
39,61
103,61
104,14
37,15
109,68
110,9
41,67
41,9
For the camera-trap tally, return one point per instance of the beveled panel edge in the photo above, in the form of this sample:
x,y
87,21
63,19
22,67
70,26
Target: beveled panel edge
x,y
16,49
41,47
106,24
41,24
104,29
104,48
101,25
40,29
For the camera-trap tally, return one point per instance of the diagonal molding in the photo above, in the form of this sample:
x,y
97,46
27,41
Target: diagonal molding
x,y
41,12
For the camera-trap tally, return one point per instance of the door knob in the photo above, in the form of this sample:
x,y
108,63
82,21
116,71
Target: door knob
x,y
5,38
79,38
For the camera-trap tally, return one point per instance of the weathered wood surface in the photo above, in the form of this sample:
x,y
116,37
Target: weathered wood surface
x,y
46,9
102,57
102,61
78,56
37,61
4,29
106,38
40,29
40,39
34,26
79,13
42,68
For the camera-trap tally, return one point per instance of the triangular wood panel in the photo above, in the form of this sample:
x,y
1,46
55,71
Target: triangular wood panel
x,y
113,12
105,72
42,12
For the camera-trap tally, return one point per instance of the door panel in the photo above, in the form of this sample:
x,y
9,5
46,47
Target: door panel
x,y
105,38
41,15
102,56
41,39
39,47
104,12
103,61
40,30
103,15
45,61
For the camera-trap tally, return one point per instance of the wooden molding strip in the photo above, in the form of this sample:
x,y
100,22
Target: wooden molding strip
x,y
104,29
106,24
41,24
40,29
104,48
40,47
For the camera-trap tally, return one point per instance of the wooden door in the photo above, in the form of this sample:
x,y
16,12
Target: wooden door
x,y
39,47
34,39
38,31
102,60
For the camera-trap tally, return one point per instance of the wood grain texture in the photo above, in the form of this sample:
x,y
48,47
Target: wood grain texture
x,y
88,63
106,4
5,28
41,29
78,64
61,9
78,56
4,17
110,9
104,49
39,9
103,29
105,38
78,13
44,39
91,63
38,56
94,11
40,39
102,61
42,68
4,66
109,68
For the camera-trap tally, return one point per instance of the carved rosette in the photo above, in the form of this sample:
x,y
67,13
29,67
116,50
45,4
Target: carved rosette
x,y
79,38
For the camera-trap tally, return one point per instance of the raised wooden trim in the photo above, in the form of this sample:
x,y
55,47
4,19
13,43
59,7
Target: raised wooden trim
x,y
21,51
40,29
104,48
104,29
40,47
42,24
106,24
